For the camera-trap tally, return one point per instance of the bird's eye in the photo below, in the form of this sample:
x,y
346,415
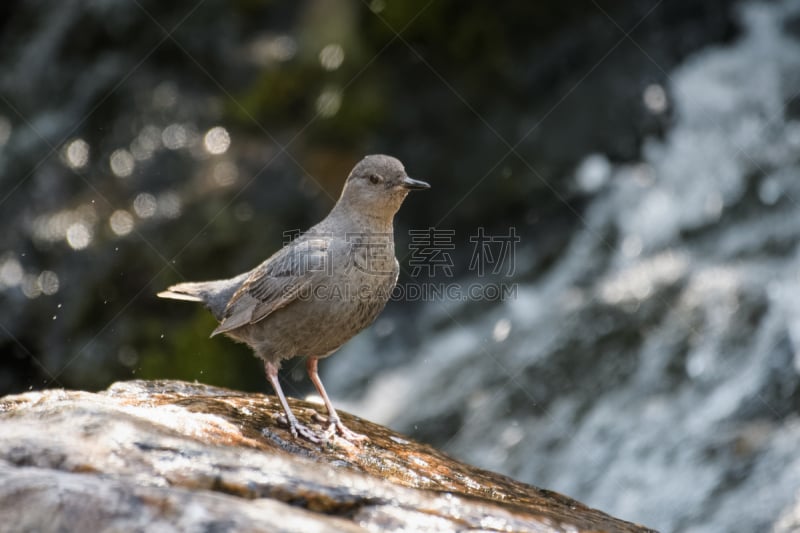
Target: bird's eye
x,y
374,179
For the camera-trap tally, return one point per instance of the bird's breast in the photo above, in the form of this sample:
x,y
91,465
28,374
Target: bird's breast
x,y
360,282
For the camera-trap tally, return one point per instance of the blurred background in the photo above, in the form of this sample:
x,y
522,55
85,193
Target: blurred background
x,y
646,154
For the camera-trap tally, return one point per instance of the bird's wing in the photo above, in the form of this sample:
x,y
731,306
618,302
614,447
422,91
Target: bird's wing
x,y
277,282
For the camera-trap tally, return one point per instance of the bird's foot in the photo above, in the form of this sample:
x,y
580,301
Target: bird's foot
x,y
346,433
299,430
305,432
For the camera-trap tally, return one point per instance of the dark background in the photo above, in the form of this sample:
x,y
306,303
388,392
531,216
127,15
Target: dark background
x,y
537,116
449,96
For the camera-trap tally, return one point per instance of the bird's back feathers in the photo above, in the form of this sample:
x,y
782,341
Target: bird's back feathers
x,y
276,282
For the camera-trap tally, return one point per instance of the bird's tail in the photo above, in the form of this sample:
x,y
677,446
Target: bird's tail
x,y
190,292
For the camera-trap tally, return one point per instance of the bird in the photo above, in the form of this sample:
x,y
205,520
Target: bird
x,y
319,290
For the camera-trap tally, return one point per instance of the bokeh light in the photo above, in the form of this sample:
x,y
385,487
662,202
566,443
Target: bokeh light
x,y
225,173
122,163
269,49
175,136
217,140
328,102
593,172
170,205
655,98
48,282
77,153
30,286
501,330
121,222
144,205
11,271
331,56
78,236
146,143
165,95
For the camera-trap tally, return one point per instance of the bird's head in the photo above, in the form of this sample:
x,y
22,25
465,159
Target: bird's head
x,y
377,186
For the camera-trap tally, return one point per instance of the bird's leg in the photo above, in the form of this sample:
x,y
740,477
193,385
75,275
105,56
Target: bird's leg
x,y
294,425
334,422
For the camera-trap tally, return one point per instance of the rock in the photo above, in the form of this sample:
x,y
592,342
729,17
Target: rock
x,y
169,455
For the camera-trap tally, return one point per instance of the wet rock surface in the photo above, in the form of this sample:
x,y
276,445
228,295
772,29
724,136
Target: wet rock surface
x,y
171,454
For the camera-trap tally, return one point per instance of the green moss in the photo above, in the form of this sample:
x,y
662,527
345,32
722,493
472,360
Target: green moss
x,y
186,352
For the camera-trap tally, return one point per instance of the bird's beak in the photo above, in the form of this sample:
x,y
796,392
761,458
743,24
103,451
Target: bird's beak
x,y
414,185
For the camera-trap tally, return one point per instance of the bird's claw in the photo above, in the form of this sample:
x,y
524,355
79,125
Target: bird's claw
x,y
307,433
299,430
346,433
335,426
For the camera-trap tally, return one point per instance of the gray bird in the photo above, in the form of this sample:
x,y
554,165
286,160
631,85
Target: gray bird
x,y
321,289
